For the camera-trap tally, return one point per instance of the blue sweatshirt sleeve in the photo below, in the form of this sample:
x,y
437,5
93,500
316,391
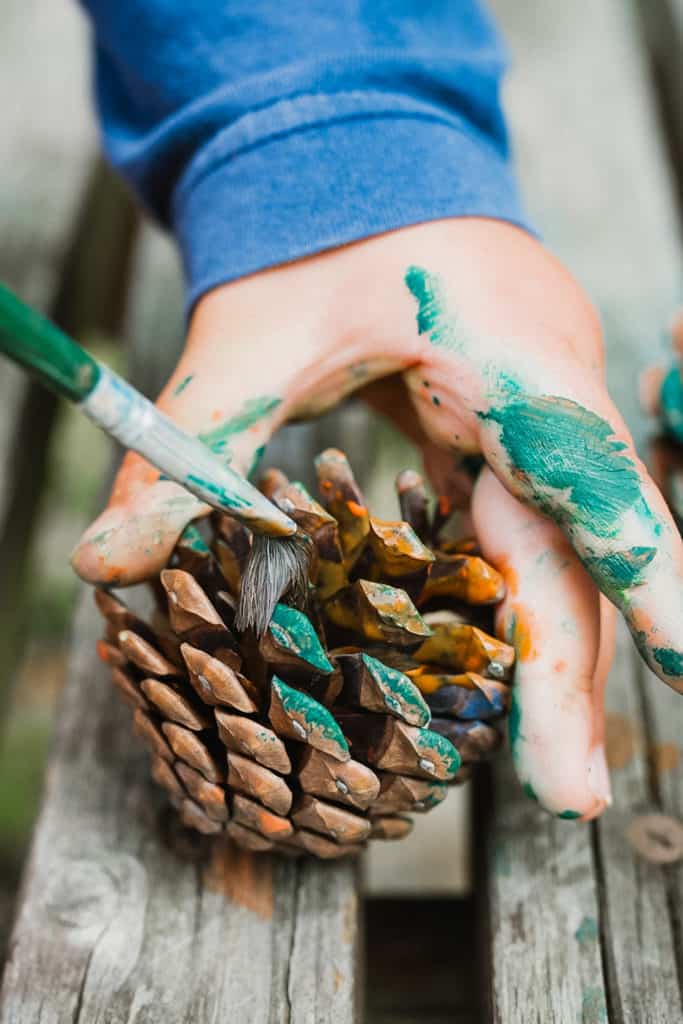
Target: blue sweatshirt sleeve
x,y
261,131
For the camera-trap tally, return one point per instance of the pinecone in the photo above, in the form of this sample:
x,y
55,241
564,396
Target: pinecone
x,y
326,731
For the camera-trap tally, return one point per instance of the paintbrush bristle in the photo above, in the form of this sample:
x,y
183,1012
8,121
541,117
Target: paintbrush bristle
x,y
277,567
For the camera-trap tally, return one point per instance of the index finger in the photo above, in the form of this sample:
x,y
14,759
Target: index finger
x,y
575,462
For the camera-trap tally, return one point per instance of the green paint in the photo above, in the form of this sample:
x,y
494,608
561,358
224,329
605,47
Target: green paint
x,y
619,570
183,384
587,932
399,691
436,400
433,744
258,455
529,791
33,342
593,1007
253,410
316,718
226,499
671,400
515,724
192,538
670,660
432,317
293,631
570,457
100,539
569,815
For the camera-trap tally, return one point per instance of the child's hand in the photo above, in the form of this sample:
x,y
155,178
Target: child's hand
x,y
495,350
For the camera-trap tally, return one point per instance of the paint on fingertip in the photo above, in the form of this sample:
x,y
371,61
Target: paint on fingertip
x,y
571,457
569,815
183,384
620,570
670,660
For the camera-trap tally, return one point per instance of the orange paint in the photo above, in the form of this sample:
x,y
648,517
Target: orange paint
x,y
355,509
622,740
102,651
216,415
509,574
665,757
243,877
560,665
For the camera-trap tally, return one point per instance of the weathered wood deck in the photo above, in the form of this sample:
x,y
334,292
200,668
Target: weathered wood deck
x,y
118,920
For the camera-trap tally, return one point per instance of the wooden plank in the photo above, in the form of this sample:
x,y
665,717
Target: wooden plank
x,y
117,925
115,922
596,181
46,150
543,913
638,940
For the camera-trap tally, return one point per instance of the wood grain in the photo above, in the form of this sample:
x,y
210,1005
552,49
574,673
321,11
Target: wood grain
x,y
580,926
123,918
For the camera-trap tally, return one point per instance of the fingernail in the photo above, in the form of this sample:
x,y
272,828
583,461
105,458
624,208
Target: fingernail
x,y
598,774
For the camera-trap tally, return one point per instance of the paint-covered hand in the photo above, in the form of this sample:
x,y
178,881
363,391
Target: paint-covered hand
x,y
491,349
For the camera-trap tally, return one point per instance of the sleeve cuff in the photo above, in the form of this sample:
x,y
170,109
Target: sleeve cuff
x,y
316,186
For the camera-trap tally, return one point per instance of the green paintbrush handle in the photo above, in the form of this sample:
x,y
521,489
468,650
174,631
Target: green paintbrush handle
x,y
29,339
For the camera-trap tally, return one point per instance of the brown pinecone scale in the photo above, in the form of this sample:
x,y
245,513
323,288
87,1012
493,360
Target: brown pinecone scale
x,y
342,719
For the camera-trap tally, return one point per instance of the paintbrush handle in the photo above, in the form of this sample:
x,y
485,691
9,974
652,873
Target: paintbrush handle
x,y
31,341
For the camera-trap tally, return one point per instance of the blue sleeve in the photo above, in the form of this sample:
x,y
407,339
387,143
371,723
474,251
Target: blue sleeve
x,y
262,131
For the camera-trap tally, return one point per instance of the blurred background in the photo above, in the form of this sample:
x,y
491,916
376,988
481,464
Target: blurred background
x,y
596,114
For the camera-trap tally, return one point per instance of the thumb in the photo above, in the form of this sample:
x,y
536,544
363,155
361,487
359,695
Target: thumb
x,y
233,397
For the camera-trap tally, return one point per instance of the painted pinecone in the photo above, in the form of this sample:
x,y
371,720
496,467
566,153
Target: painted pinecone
x,y
339,722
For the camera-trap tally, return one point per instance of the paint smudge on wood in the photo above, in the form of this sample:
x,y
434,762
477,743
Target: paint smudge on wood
x,y
622,740
244,879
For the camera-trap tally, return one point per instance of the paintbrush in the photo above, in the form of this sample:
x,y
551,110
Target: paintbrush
x,y
279,560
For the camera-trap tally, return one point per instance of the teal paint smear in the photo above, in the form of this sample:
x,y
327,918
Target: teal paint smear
x,y
436,400
593,1008
399,690
515,725
293,630
559,445
254,410
620,570
226,499
432,317
192,538
315,717
258,455
587,932
671,401
670,660
183,384
530,791
569,815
